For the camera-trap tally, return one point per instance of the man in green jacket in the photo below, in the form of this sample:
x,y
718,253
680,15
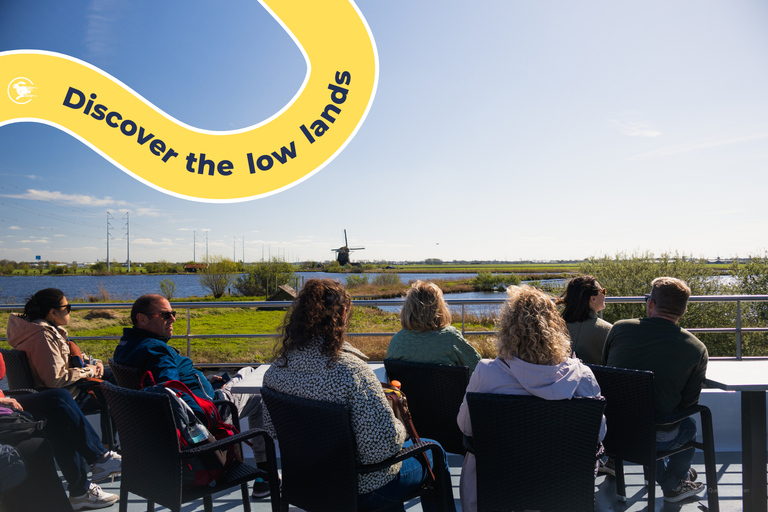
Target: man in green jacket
x,y
678,361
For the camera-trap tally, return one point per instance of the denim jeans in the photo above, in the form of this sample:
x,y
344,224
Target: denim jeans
x,y
75,443
413,473
672,470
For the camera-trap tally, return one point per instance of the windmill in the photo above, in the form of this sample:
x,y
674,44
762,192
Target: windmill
x,y
342,253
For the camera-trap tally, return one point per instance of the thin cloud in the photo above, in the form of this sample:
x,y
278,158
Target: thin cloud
x,y
14,227
72,199
634,129
695,147
102,19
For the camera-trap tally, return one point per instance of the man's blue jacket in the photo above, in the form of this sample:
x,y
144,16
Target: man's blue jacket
x,y
150,352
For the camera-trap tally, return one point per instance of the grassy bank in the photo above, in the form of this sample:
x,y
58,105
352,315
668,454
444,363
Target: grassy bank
x,y
240,321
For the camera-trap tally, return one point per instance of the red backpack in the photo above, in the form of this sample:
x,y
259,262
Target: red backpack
x,y
208,469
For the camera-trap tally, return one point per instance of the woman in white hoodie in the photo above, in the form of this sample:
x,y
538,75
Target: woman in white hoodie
x,y
534,358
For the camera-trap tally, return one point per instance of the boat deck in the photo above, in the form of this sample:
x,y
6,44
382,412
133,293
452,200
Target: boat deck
x,y
729,483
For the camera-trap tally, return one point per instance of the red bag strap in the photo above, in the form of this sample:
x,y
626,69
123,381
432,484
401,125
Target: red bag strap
x,y
209,408
144,378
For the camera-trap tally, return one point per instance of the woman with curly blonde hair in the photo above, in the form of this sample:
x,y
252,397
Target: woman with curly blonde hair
x,y
534,358
427,335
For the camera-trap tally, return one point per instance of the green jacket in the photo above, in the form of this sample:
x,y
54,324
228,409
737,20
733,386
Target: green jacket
x,y
446,346
676,357
588,338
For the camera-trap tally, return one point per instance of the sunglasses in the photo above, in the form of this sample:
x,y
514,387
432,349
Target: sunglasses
x,y
68,307
165,314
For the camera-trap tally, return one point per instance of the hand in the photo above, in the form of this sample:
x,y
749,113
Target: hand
x,y
11,402
100,367
98,370
215,378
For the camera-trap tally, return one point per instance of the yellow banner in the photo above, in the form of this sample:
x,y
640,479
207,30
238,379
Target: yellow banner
x,y
204,165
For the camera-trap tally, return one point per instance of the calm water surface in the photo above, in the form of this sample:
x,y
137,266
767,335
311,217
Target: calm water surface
x,y
17,289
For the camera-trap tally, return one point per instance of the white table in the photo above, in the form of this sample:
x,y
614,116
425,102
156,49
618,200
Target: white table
x,y
253,382
749,377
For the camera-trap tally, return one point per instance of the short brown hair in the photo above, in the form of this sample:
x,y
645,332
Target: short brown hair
x,y
530,328
670,295
144,305
424,308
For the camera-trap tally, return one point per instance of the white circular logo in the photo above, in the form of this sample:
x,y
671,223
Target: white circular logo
x,y
21,90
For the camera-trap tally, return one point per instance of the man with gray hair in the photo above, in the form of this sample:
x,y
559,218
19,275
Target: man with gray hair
x,y
678,361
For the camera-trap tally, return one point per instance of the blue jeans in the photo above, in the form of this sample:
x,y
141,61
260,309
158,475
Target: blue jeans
x,y
672,470
75,443
413,473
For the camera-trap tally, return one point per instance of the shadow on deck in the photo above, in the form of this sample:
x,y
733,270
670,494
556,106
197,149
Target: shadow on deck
x,y
729,480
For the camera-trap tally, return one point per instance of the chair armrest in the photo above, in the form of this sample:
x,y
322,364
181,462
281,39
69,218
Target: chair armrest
x,y
226,442
685,413
19,392
405,453
469,443
88,383
232,410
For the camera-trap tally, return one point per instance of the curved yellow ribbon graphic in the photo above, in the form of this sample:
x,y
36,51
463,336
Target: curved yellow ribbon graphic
x,y
202,165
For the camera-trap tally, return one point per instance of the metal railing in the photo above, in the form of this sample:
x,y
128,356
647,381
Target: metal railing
x,y
738,330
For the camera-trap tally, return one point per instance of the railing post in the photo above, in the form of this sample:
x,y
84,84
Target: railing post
x,y
462,320
738,329
189,332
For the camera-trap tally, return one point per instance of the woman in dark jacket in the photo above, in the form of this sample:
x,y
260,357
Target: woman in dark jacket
x,y
583,299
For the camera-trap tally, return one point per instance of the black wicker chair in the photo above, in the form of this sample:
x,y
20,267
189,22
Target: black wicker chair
x,y
152,458
316,438
130,377
434,393
632,424
518,441
19,374
126,376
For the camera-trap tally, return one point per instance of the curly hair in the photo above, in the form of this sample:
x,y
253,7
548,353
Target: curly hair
x,y
576,298
424,308
41,303
316,314
531,329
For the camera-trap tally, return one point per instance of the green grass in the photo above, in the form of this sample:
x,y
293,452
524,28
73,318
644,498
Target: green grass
x,y
239,321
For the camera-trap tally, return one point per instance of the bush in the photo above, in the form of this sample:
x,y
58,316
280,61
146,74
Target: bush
x,y
386,280
488,282
217,275
356,281
333,267
264,277
167,288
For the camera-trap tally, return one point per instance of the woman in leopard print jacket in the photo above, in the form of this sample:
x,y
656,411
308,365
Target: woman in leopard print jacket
x,y
315,362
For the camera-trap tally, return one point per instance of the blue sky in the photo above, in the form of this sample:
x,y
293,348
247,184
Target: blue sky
x,y
503,129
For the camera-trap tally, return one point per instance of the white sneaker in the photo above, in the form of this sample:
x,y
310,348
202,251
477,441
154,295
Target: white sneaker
x,y
94,498
111,466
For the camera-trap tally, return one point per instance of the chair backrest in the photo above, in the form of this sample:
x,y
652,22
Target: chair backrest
x,y
126,376
317,449
434,393
151,467
629,413
533,453
17,369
